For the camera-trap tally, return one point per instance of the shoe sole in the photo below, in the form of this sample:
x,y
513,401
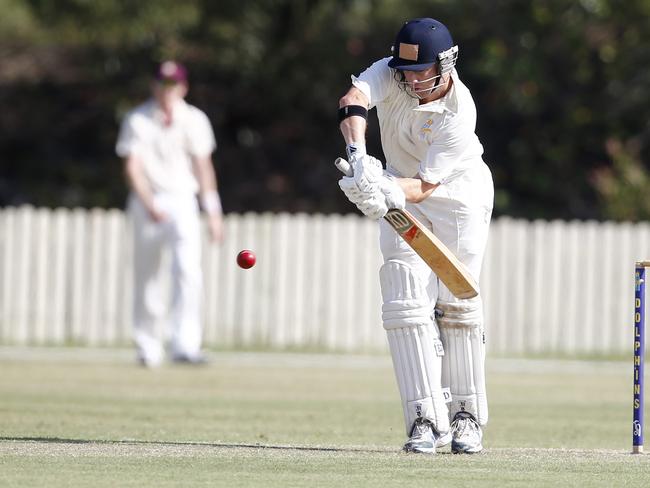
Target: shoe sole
x,y
473,450
191,361
419,450
148,364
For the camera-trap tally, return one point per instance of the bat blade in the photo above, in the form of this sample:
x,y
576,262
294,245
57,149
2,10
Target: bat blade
x,y
438,257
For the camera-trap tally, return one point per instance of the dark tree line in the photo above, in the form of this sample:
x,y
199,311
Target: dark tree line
x,y
561,88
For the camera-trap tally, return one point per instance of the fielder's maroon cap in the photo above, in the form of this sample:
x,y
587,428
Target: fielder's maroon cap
x,y
171,71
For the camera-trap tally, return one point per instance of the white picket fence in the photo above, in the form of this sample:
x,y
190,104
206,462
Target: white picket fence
x,y
548,287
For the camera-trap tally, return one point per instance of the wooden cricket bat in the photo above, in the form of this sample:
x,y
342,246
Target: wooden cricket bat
x,y
438,257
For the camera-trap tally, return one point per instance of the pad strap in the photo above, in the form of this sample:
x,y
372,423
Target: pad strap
x,y
350,110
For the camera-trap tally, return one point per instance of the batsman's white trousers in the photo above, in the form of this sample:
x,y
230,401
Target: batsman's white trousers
x,y
459,213
181,234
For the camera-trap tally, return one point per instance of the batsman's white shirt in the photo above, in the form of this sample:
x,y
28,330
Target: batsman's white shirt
x,y
167,152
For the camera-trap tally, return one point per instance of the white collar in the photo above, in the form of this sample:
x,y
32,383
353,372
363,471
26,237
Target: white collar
x,y
180,108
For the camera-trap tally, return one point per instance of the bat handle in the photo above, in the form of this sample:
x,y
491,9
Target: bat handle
x,y
344,167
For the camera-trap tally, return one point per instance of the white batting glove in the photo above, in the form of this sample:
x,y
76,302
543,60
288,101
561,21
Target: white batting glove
x,y
395,197
374,203
371,204
351,190
368,170
374,207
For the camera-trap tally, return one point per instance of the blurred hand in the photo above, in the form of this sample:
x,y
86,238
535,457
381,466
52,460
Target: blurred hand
x,y
215,227
158,216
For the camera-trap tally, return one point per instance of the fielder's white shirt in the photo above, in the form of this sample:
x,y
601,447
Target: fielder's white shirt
x,y
436,141
166,151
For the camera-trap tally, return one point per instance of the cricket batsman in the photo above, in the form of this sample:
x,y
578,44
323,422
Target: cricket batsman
x,y
434,169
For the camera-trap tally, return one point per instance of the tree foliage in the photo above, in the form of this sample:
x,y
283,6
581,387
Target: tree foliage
x,y
560,87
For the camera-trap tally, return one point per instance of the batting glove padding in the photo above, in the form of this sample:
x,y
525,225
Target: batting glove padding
x,y
368,170
395,197
372,204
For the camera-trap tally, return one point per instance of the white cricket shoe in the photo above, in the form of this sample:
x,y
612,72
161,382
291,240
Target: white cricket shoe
x,y
424,439
466,434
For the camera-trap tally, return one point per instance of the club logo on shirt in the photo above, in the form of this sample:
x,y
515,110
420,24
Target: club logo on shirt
x,y
426,129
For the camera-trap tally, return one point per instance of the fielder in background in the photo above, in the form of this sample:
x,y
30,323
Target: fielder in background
x,y
434,169
167,148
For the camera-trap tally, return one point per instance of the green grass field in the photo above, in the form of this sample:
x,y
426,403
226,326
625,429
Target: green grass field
x,y
80,417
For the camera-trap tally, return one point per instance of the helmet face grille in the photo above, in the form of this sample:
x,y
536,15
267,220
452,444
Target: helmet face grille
x,y
410,89
447,59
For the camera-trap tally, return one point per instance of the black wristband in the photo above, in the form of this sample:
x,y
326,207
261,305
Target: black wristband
x,y
350,110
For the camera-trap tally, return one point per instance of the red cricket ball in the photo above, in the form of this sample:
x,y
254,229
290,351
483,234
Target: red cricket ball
x,y
246,259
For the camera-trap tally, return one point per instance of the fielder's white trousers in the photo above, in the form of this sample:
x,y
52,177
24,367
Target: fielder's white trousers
x,y
180,233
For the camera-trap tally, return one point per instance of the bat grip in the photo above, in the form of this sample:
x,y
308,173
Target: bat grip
x,y
344,167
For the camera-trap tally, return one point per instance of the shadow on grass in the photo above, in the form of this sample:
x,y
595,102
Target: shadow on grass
x,y
60,440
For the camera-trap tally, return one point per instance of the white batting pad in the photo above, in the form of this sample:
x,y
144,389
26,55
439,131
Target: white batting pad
x,y
415,346
463,369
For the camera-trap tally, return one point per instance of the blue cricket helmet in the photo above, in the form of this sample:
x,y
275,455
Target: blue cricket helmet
x,y
421,43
